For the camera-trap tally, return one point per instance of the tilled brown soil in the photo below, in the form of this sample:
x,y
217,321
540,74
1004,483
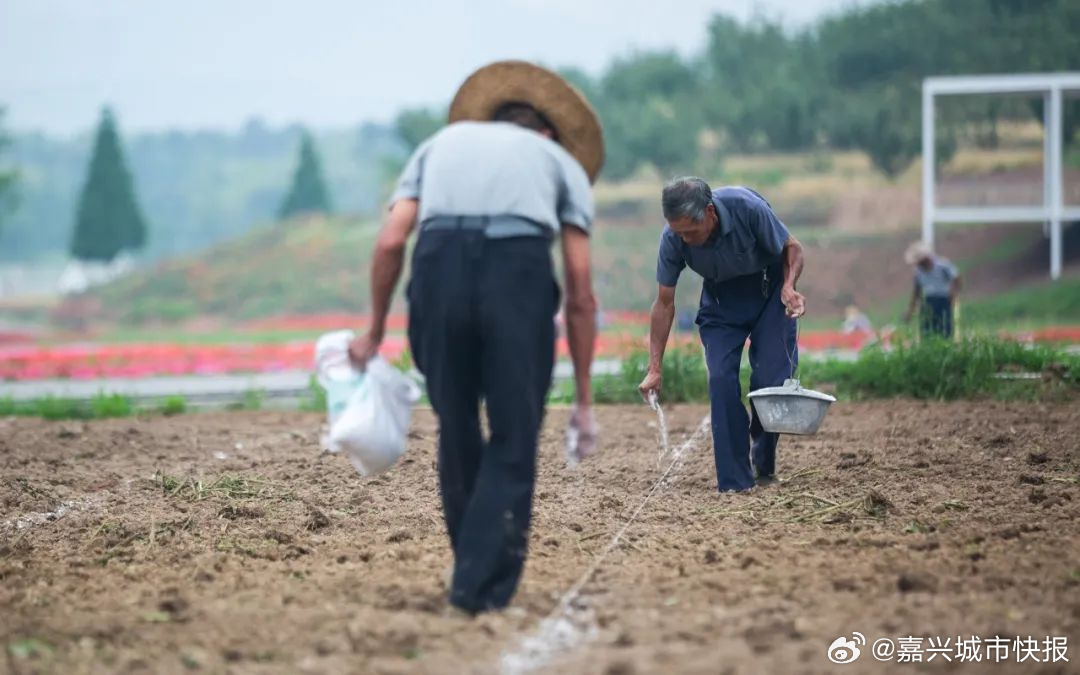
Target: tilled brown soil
x,y
225,543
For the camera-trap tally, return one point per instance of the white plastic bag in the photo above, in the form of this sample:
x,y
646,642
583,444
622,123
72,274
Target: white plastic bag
x,y
374,426
369,411
335,374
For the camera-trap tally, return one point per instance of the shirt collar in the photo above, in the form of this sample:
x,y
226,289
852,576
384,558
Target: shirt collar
x,y
724,216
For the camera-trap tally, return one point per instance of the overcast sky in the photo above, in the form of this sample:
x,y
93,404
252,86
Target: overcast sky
x,y
216,63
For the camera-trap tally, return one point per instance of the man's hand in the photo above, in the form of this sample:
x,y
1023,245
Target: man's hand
x,y
363,348
651,384
794,302
581,433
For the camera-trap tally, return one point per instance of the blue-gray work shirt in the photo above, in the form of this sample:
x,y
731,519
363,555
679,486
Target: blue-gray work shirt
x,y
937,282
748,239
497,169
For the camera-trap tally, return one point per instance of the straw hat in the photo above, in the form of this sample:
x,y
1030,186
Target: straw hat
x,y
519,81
917,251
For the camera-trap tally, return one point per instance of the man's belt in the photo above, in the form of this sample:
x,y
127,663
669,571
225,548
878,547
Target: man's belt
x,y
496,227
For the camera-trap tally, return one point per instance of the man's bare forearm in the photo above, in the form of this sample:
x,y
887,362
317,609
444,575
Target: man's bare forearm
x,y
581,339
387,261
660,320
580,308
912,305
793,261
385,272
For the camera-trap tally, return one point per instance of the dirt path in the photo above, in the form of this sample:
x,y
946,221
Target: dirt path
x,y
951,519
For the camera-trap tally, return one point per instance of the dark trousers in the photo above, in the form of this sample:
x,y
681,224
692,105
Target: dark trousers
x,y
730,312
481,326
936,317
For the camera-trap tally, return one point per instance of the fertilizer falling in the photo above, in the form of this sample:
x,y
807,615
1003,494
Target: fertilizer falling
x,y
654,403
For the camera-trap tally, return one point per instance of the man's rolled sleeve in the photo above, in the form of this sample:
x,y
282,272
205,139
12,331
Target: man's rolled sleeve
x,y
576,206
409,183
669,261
771,234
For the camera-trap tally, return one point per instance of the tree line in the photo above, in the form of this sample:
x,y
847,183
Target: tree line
x,y
180,176
851,81
109,220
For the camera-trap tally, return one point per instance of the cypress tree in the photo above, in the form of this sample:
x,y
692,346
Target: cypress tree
x,y
308,193
108,219
8,176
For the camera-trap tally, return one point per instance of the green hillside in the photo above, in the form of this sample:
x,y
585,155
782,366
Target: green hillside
x,y
322,265
302,266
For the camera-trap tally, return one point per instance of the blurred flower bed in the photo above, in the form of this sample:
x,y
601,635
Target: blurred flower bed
x,y
625,332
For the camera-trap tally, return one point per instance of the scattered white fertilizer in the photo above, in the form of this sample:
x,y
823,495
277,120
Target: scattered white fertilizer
x,y
31,519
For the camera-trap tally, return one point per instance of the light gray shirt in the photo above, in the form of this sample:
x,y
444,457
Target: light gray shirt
x,y
497,169
937,281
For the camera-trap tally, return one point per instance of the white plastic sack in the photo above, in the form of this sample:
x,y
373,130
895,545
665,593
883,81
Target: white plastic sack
x,y
369,411
335,374
374,426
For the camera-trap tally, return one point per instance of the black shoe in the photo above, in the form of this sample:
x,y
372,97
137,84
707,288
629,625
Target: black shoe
x,y
770,479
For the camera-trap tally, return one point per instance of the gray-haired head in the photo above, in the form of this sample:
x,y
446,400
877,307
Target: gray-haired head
x,y
686,197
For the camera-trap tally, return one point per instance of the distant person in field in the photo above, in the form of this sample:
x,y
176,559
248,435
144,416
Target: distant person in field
x,y
855,321
750,265
937,285
491,191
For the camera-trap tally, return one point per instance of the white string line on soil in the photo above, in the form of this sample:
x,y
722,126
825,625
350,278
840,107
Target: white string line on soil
x,y
558,632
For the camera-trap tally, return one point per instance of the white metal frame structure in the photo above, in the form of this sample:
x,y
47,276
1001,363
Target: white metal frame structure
x,y
1053,211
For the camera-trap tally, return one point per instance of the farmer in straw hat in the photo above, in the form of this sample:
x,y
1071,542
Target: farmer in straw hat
x,y
750,265
937,285
491,191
